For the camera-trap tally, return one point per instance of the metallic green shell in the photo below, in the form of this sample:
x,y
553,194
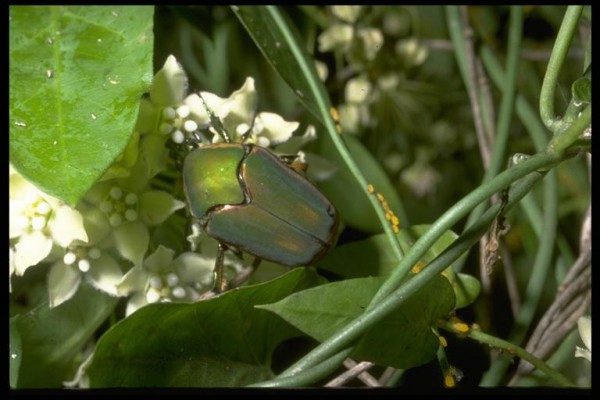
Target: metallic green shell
x,y
210,177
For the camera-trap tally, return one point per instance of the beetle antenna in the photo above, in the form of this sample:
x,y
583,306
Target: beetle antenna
x,y
247,133
215,121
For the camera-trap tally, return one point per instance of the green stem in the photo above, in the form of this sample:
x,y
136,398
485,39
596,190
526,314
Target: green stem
x,y
308,377
455,29
511,349
505,113
557,58
498,156
560,142
324,106
536,282
453,215
372,315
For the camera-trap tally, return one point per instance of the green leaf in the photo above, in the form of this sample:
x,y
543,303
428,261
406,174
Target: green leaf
x,y
342,186
373,256
223,341
404,339
76,76
275,42
52,338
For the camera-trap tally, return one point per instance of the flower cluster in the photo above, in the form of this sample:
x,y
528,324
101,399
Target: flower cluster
x,y
106,239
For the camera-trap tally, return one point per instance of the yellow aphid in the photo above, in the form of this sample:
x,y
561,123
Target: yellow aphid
x,y
418,267
449,381
370,188
334,114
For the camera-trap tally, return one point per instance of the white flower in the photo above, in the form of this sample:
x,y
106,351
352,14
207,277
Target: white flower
x,y
124,209
322,70
346,13
357,89
349,117
372,41
413,53
584,325
161,278
337,36
37,222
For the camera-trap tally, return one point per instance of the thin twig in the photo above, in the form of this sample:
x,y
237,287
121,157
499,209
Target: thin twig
x,y
572,299
350,374
526,54
386,375
472,87
511,280
365,377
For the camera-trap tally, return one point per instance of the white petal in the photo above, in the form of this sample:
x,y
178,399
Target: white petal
x,y
322,70
295,143
346,13
349,117
63,282
192,267
133,281
275,128
136,302
357,89
584,325
131,240
372,39
157,205
197,110
66,226
336,36
160,260
236,109
105,274
17,221
31,249
169,84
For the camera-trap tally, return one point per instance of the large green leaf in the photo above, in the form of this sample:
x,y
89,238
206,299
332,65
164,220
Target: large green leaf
x,y
50,338
404,339
224,341
280,43
373,257
76,76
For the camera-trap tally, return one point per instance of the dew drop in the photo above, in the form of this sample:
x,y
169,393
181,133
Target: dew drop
x,y
13,356
99,40
55,142
94,116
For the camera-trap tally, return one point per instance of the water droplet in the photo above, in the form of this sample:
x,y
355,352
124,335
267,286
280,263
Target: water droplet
x,y
114,81
49,40
114,13
299,93
55,142
21,124
99,40
13,356
94,116
49,73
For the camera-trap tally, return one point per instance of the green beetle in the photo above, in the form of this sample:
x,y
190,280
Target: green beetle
x,y
251,200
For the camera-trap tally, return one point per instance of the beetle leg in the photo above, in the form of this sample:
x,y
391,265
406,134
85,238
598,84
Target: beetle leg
x,y
216,122
293,160
220,284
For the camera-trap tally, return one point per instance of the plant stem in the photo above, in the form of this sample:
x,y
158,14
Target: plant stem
x,y
511,349
560,142
310,376
389,303
324,107
536,282
557,58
